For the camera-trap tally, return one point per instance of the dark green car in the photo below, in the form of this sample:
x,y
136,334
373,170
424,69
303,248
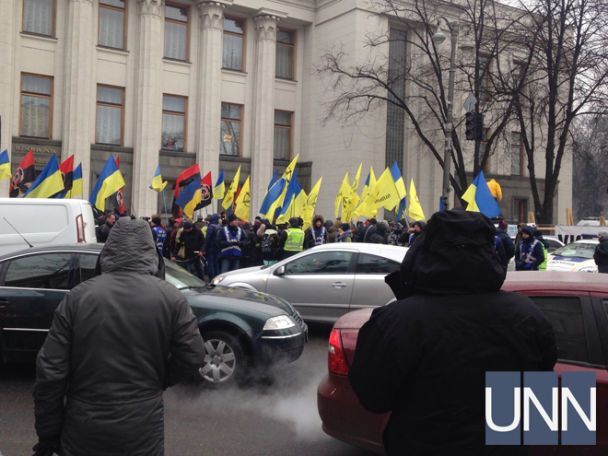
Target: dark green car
x,y
243,330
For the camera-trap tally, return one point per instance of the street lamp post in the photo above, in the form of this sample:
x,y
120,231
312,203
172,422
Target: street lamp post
x,y
439,37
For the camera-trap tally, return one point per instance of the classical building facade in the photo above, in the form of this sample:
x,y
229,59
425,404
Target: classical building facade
x,y
222,83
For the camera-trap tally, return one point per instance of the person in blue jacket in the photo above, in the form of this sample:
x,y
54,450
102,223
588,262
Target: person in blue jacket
x,y
530,253
211,249
231,240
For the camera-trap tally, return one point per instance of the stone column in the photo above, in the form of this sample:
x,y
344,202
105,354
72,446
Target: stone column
x,y
148,106
210,85
7,77
263,106
77,95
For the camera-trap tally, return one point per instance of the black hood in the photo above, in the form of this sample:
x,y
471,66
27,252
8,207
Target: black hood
x,y
454,255
130,247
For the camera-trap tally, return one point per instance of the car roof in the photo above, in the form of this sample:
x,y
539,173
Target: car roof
x,y
526,282
392,252
95,248
556,281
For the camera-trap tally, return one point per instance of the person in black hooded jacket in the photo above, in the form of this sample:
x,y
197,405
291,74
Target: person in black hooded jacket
x,y
116,342
601,253
424,358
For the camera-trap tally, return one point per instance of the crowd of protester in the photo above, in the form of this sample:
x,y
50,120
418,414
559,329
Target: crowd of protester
x,y
221,243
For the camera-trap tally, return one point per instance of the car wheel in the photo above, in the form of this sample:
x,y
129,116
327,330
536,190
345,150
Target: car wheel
x,y
225,361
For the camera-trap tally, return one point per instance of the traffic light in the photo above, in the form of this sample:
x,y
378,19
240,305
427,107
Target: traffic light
x,y
474,126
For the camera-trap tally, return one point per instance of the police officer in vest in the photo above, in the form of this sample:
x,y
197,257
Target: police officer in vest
x,y
294,242
231,240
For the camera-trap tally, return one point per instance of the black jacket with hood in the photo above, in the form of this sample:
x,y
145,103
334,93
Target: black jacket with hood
x,y
116,342
601,256
424,357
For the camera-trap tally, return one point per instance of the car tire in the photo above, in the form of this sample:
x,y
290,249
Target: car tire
x,y
225,361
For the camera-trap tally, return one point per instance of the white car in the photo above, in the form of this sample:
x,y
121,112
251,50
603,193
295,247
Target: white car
x,y
575,257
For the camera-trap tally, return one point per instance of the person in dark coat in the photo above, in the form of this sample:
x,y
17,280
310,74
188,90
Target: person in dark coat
x,y
530,254
211,250
416,230
231,241
188,250
104,230
369,230
379,235
116,342
424,357
601,253
508,248
317,234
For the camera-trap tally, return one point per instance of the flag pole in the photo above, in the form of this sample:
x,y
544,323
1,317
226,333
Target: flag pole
x,y
164,202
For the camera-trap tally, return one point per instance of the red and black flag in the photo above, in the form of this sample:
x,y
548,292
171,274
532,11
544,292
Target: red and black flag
x,y
67,173
25,174
120,194
186,177
206,191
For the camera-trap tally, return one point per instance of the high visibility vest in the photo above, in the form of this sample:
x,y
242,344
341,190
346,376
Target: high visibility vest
x,y
295,240
543,265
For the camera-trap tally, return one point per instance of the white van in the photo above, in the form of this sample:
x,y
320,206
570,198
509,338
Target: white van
x,y
42,221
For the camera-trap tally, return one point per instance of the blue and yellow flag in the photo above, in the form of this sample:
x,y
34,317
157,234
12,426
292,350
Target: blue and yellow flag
x,y
109,182
219,191
5,165
190,197
293,203
273,199
48,183
480,199
157,181
77,188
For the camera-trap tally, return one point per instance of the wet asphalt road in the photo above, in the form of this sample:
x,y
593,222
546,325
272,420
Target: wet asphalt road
x,y
280,420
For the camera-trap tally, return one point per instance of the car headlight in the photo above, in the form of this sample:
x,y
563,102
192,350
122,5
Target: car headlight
x,y
278,323
588,269
217,280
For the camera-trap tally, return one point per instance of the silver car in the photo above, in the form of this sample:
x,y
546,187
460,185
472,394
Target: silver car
x,y
327,281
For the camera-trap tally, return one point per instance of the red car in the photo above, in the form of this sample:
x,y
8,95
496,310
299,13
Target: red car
x,y
576,304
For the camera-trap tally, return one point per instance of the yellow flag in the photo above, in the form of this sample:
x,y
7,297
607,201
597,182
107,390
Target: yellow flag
x,y
355,185
414,209
234,185
344,189
243,202
311,202
384,194
362,209
469,197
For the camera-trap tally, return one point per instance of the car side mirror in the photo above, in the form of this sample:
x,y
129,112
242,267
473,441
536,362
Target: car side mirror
x,y
280,272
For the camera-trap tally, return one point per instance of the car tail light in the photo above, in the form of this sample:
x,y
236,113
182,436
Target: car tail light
x,y
336,359
80,236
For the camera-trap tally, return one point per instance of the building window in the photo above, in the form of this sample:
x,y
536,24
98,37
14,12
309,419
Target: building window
x,y
39,17
110,108
112,24
395,116
286,49
520,209
230,141
174,122
517,154
282,134
176,32
485,74
36,105
234,39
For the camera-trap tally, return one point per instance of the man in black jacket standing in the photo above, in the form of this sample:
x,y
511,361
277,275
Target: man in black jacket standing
x,y
601,253
424,358
116,342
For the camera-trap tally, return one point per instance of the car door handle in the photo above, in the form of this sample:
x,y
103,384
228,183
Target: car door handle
x,y
338,285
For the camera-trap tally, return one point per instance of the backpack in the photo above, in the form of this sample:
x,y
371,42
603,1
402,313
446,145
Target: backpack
x,y
266,244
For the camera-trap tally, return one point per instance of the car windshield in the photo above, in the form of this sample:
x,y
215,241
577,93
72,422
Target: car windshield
x,y
180,278
577,250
